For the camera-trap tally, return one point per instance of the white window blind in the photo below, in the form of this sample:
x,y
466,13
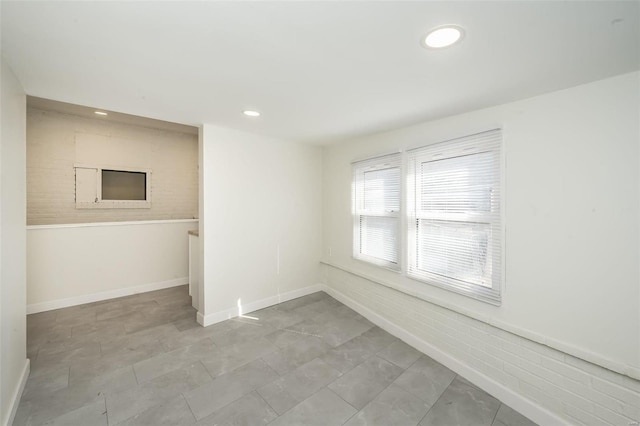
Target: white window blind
x,y
454,219
376,210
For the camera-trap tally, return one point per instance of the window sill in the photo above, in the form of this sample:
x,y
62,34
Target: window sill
x,y
471,291
115,205
380,264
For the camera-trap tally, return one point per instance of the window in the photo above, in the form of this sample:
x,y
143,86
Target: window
x,y
122,185
376,210
112,188
454,220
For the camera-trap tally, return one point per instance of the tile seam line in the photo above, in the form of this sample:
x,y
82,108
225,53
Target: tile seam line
x,y
257,391
189,407
341,398
496,414
436,401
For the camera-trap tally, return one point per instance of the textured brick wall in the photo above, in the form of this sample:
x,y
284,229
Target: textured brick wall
x,y
51,155
573,389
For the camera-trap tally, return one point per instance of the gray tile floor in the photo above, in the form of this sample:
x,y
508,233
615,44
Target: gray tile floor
x,y
143,360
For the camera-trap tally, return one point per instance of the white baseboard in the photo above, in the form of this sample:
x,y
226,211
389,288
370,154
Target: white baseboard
x,y
104,295
15,398
516,401
216,317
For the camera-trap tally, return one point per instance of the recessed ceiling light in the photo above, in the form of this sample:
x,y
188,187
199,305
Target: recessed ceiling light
x,y
443,36
101,113
251,113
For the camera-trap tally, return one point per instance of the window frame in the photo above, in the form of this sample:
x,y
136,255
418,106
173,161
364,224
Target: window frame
x,y
359,168
99,203
490,141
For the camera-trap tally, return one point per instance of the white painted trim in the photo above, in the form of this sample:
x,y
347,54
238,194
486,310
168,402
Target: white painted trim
x,y
516,401
97,224
200,320
110,167
577,352
104,295
216,317
99,203
15,398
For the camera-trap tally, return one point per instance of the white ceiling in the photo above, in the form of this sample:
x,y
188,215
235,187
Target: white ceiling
x,y
318,71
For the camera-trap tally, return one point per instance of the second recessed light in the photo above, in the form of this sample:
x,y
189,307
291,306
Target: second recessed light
x,y
251,113
443,36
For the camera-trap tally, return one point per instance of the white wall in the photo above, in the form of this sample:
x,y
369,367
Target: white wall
x,y
261,228
572,234
74,264
56,141
13,357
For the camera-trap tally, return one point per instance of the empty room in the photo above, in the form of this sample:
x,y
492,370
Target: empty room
x,y
320,213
